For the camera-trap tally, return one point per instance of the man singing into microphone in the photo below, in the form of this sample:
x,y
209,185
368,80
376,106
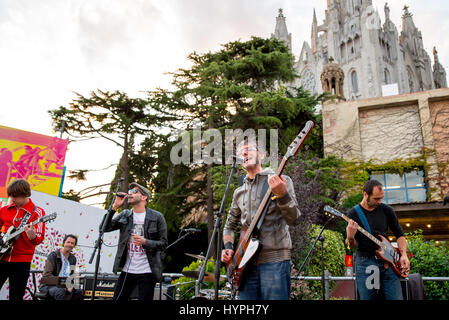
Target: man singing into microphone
x,y
268,277
143,238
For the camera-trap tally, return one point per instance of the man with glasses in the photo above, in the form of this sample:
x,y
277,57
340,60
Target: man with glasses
x,y
143,238
268,278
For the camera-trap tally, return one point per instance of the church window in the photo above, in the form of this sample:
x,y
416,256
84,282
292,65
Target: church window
x,y
354,82
387,77
343,52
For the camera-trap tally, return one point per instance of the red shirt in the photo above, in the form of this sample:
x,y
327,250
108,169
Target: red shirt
x,y
23,248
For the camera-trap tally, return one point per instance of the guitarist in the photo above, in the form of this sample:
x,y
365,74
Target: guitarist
x,y
268,278
16,264
372,274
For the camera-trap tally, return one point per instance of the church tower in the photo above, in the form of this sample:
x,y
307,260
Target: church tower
x,y
280,31
375,59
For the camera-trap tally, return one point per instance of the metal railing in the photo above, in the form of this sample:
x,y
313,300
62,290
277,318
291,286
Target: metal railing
x,y
327,280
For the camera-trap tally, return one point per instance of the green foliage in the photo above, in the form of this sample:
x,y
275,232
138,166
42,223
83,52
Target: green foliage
x,y
353,200
187,285
333,257
301,289
429,260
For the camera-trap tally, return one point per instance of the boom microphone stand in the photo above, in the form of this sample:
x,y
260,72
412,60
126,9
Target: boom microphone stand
x,y
216,233
321,239
99,241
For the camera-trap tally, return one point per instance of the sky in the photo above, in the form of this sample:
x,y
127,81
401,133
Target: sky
x,y
50,49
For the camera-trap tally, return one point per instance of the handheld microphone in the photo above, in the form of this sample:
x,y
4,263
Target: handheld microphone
x,y
191,230
120,195
238,159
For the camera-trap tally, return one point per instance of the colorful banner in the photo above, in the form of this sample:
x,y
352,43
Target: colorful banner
x,y
37,158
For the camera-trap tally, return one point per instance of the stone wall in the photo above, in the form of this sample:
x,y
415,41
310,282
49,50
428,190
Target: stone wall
x,y
439,118
391,128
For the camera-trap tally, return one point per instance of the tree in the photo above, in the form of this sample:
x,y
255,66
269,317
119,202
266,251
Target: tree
x,y
113,116
237,87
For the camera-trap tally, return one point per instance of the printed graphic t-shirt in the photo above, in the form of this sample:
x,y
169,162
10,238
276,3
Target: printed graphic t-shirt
x,y
137,261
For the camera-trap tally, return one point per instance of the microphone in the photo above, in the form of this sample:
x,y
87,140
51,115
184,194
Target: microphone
x,y
237,158
191,230
120,195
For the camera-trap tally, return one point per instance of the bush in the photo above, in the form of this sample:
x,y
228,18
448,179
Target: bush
x,y
333,258
429,260
187,291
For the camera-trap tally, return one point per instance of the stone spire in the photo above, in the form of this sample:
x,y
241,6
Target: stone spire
x,y
280,31
439,74
332,79
314,35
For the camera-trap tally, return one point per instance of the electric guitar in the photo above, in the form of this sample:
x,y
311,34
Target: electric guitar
x,y
248,245
7,239
385,250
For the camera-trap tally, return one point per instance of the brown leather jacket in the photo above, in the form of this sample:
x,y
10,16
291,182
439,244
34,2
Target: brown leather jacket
x,y
282,213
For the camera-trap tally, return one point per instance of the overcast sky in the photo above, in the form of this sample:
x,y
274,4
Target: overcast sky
x,y
51,48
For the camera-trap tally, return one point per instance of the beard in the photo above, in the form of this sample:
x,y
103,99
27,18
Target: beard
x,y
371,204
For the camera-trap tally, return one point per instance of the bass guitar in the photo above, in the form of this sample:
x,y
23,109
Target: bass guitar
x,y
248,245
385,251
7,239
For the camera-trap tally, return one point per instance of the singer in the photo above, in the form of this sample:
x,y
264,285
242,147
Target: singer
x,y
268,278
143,238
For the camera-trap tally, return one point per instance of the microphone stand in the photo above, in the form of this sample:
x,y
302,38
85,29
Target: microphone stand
x,y
321,239
168,247
216,233
99,241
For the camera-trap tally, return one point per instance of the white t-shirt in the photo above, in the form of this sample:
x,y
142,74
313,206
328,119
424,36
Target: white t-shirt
x,y
137,261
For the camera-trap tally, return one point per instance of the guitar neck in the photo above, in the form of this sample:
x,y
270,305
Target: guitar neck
x,y
366,233
17,232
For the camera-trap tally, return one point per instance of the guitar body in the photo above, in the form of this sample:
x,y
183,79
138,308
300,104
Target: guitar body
x,y
391,255
6,242
245,253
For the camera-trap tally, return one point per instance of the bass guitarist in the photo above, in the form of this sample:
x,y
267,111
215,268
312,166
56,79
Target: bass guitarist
x,y
268,277
372,274
21,211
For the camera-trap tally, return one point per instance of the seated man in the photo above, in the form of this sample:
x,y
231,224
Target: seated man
x,y
60,263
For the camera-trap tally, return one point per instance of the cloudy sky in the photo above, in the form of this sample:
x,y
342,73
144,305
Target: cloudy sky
x,y
51,48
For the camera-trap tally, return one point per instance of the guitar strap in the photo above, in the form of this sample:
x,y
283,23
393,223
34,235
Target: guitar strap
x,y
262,217
362,218
25,219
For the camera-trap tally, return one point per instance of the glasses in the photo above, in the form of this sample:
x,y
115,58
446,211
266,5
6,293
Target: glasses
x,y
246,150
133,191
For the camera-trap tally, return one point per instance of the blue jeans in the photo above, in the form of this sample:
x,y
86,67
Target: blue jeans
x,y
372,277
267,281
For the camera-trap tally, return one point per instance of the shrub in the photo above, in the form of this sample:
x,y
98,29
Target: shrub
x,y
429,260
187,291
333,258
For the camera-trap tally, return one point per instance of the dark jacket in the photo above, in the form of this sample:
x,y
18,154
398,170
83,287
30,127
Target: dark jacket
x,y
155,234
53,265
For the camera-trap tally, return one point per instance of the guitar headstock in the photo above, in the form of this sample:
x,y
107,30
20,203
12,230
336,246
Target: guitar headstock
x,y
293,148
333,211
48,218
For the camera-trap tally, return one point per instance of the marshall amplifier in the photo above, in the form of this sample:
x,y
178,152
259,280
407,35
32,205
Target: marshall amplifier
x,y
105,287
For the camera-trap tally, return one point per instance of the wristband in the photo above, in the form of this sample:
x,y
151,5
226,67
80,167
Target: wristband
x,y
229,246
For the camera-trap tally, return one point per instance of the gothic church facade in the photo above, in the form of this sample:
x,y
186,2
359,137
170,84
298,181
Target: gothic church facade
x,y
375,57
